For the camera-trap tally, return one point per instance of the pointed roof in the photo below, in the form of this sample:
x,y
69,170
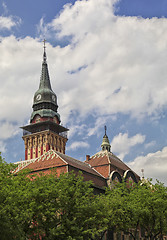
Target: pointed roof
x,y
105,158
45,100
45,79
45,92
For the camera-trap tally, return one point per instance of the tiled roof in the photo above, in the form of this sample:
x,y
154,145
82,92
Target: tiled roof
x,y
105,158
53,159
79,164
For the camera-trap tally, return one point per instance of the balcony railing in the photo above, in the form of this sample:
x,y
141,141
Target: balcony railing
x,y
63,134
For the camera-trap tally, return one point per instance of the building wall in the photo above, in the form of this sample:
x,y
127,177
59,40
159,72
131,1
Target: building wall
x,y
103,170
37,144
98,181
59,170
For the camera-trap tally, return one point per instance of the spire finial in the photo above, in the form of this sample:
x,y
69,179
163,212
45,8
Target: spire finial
x,y
44,54
105,128
44,41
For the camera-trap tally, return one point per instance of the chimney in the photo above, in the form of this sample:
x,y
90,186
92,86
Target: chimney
x,y
87,158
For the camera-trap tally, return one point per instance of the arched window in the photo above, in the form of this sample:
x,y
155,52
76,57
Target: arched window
x,y
130,176
115,176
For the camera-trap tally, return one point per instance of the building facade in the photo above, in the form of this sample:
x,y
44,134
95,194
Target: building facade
x,y
45,141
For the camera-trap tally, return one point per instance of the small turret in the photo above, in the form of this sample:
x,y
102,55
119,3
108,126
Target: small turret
x,y
105,143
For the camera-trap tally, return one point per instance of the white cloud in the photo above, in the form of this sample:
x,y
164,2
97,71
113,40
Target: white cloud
x,y
100,121
7,130
77,129
123,57
42,30
150,144
9,22
19,71
111,65
82,13
122,143
154,165
76,145
2,146
19,74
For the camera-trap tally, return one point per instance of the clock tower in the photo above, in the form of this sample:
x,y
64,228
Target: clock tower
x,y
44,131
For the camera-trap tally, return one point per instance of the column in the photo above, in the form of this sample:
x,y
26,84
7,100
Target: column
x,y
36,146
31,149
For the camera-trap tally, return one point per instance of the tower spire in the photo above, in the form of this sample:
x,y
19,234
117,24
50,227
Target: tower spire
x,y
44,131
44,53
105,143
45,100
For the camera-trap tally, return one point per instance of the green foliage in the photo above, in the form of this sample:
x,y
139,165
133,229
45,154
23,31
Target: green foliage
x,y
153,207
138,205
47,207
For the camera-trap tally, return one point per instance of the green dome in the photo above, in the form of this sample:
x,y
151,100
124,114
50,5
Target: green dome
x,y
45,95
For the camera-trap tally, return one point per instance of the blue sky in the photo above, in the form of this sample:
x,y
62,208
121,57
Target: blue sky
x,y
108,66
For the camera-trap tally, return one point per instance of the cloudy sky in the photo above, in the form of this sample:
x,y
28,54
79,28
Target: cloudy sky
x,y
108,66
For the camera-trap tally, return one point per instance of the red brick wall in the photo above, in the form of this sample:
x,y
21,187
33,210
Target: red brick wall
x,y
58,170
97,181
103,170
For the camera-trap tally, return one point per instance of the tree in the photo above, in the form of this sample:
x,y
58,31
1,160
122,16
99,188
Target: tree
x,y
138,206
48,207
153,204
65,208
122,215
8,227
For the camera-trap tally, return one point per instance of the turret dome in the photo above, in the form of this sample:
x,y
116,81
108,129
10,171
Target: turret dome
x,y
105,143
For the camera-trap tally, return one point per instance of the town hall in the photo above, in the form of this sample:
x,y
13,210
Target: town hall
x,y
45,143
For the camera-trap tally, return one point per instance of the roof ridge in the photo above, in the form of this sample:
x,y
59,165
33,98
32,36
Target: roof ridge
x,y
117,158
76,160
57,153
23,164
81,163
100,153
